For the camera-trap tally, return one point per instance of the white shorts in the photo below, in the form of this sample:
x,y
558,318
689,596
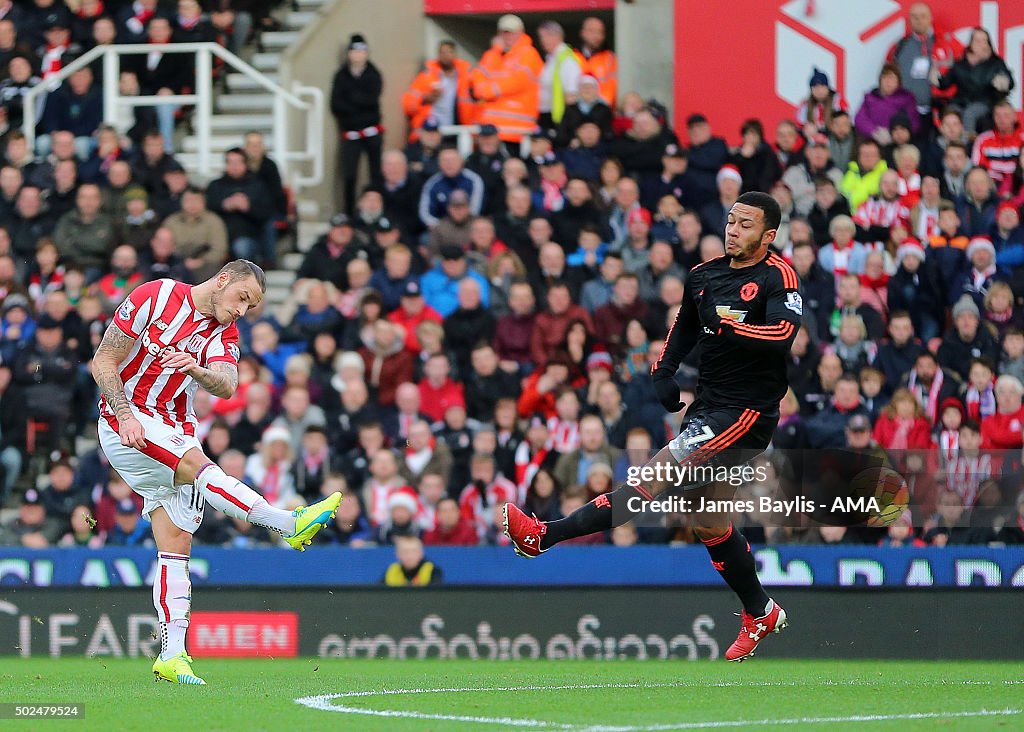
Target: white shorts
x,y
150,472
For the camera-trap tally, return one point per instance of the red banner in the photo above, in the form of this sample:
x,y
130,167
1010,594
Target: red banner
x,y
459,7
241,634
754,58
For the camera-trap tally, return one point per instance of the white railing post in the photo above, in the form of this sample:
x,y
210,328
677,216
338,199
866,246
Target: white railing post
x,y
280,132
204,105
310,150
111,85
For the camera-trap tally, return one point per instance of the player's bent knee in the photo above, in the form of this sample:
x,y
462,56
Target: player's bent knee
x,y
190,465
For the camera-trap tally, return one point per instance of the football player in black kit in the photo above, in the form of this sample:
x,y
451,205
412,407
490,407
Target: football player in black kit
x,y
743,309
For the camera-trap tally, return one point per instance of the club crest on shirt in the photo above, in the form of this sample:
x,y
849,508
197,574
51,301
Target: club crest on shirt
x,y
125,311
748,292
727,313
195,343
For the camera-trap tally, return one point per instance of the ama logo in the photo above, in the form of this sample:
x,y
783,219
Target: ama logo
x,y
850,40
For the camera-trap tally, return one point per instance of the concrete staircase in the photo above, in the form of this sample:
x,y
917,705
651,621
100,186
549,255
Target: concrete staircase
x,y
243,106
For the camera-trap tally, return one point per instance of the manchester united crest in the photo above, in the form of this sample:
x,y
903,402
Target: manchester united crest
x,y
748,292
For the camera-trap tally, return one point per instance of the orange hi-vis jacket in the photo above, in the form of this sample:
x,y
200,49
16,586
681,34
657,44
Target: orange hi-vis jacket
x,y
508,85
603,66
417,110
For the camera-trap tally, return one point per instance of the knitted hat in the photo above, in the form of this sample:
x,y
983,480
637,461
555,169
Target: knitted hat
x,y
1007,206
357,43
980,242
964,305
911,247
276,434
729,171
952,403
599,360
638,214
819,77
403,499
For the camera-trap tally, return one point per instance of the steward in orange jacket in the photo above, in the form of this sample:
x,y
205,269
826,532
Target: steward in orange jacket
x,y
426,94
507,82
597,61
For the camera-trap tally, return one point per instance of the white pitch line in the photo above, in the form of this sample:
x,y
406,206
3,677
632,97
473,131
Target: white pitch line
x,y
802,720
323,702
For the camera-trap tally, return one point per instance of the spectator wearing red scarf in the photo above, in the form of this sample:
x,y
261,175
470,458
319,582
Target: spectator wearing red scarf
x,y
902,424
132,20
874,284
1002,431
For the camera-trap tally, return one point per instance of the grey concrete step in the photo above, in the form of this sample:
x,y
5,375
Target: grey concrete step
x,y
267,60
243,83
292,261
278,39
241,123
307,209
280,277
261,102
218,143
300,19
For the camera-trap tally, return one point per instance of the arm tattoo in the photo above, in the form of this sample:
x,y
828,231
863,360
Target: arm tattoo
x,y
220,379
113,349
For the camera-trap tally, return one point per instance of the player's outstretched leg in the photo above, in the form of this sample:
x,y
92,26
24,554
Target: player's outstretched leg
x,y
172,598
238,500
730,555
531,537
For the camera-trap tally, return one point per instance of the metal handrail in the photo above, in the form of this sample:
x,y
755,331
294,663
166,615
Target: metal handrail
x,y
203,101
464,134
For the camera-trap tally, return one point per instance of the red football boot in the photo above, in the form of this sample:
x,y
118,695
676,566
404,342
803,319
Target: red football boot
x,y
754,631
524,531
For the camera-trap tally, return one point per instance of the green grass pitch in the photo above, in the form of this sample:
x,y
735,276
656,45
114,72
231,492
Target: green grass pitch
x,y
606,696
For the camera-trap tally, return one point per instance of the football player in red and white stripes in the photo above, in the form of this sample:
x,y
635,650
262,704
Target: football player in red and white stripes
x,y
166,340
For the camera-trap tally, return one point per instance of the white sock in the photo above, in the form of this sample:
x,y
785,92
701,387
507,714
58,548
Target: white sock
x,y
172,638
172,598
238,500
263,514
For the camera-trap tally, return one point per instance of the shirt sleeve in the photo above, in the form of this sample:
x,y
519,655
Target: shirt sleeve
x,y
223,347
136,312
783,313
682,336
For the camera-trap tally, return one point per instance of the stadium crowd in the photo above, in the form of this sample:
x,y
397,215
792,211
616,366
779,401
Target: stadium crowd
x,y
477,330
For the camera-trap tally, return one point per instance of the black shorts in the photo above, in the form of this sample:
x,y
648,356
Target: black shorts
x,y
721,438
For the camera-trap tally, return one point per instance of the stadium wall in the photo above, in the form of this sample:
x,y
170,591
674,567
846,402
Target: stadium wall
x,y
754,58
778,566
556,623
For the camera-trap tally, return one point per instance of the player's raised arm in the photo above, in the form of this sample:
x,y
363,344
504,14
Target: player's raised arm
x,y
681,339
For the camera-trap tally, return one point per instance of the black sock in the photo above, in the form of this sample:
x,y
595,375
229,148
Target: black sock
x,y
593,517
730,554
